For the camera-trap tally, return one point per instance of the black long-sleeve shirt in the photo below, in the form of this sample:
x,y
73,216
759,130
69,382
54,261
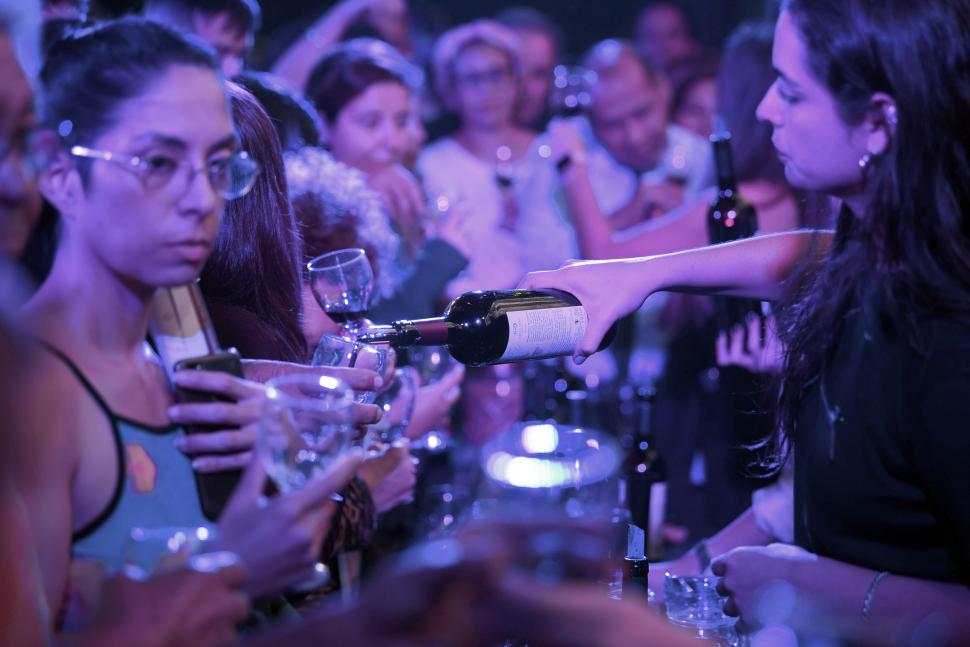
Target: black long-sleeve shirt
x,y
882,458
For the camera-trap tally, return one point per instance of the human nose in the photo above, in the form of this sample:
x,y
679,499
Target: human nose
x,y
634,131
767,109
395,138
199,195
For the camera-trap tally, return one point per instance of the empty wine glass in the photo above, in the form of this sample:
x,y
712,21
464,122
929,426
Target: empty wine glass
x,y
334,350
157,550
305,425
342,283
397,404
432,364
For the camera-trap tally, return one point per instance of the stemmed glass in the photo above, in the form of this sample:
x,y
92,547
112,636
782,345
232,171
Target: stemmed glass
x,y
432,364
334,350
304,427
342,283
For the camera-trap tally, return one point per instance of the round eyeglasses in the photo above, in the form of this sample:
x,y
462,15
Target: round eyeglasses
x,y
231,176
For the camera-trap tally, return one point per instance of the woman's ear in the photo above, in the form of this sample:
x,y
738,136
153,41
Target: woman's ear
x,y
881,122
60,183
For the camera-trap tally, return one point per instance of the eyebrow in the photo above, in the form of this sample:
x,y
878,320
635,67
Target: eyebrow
x,y
784,77
174,142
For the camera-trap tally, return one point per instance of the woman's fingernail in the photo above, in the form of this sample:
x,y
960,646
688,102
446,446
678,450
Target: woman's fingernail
x,y
174,411
181,443
378,382
579,359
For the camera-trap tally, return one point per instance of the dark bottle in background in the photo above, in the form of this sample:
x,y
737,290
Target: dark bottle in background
x,y
496,327
646,477
730,218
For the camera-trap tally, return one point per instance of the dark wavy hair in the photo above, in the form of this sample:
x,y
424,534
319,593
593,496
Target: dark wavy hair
x,y
91,72
255,260
910,249
292,115
350,68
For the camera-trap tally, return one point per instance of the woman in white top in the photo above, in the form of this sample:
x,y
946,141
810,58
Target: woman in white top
x,y
478,73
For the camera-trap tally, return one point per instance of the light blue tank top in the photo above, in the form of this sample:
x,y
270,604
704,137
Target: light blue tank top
x,y
155,485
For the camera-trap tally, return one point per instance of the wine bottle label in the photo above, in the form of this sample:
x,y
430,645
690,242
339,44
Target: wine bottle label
x,y
174,348
544,333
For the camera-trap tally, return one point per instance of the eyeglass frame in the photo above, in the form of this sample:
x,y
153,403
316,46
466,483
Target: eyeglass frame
x,y
138,165
492,76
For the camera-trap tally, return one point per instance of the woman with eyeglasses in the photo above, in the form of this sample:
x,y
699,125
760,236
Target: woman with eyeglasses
x,y
869,107
144,158
478,76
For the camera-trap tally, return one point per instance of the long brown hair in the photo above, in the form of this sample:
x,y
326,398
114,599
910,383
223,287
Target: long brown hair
x,y
910,249
255,261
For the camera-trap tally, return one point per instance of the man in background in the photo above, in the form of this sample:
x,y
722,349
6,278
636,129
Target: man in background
x,y
228,26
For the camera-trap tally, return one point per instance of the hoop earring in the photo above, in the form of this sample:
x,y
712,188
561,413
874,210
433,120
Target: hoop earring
x,y
864,160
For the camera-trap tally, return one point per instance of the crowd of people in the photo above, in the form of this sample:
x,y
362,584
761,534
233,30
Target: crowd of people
x,y
140,153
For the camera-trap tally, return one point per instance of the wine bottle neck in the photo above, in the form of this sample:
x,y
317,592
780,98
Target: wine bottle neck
x,y
724,163
417,332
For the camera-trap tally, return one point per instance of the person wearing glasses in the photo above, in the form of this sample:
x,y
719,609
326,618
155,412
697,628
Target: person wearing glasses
x,y
478,76
142,159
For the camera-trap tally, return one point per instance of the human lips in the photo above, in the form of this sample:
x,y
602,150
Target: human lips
x,y
193,249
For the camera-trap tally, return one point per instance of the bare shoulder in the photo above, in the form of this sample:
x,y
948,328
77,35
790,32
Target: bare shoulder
x,y
53,400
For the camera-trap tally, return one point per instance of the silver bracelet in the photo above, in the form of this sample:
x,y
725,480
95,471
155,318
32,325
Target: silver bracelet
x,y
867,603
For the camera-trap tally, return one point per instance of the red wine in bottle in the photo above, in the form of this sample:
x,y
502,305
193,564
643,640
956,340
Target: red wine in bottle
x,y
496,327
730,218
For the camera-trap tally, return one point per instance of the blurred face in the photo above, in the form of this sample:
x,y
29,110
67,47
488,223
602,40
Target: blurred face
x,y
629,115
485,87
19,198
819,150
222,34
373,131
663,36
696,111
150,232
538,62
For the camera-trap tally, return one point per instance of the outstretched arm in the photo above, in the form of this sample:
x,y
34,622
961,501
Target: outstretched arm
x,y
754,268
299,59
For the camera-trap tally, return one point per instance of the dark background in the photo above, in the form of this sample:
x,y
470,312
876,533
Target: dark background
x,y
583,22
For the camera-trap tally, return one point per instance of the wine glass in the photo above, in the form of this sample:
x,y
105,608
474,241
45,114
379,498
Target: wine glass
x,y
305,425
334,350
432,364
397,404
342,283
157,550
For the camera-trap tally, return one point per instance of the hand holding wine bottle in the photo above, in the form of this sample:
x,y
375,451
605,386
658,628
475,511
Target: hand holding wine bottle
x,y
497,327
607,290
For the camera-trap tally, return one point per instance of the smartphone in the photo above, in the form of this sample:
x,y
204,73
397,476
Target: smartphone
x,y
214,489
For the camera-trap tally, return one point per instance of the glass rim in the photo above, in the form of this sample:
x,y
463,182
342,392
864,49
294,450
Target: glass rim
x,y
149,533
275,391
318,264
